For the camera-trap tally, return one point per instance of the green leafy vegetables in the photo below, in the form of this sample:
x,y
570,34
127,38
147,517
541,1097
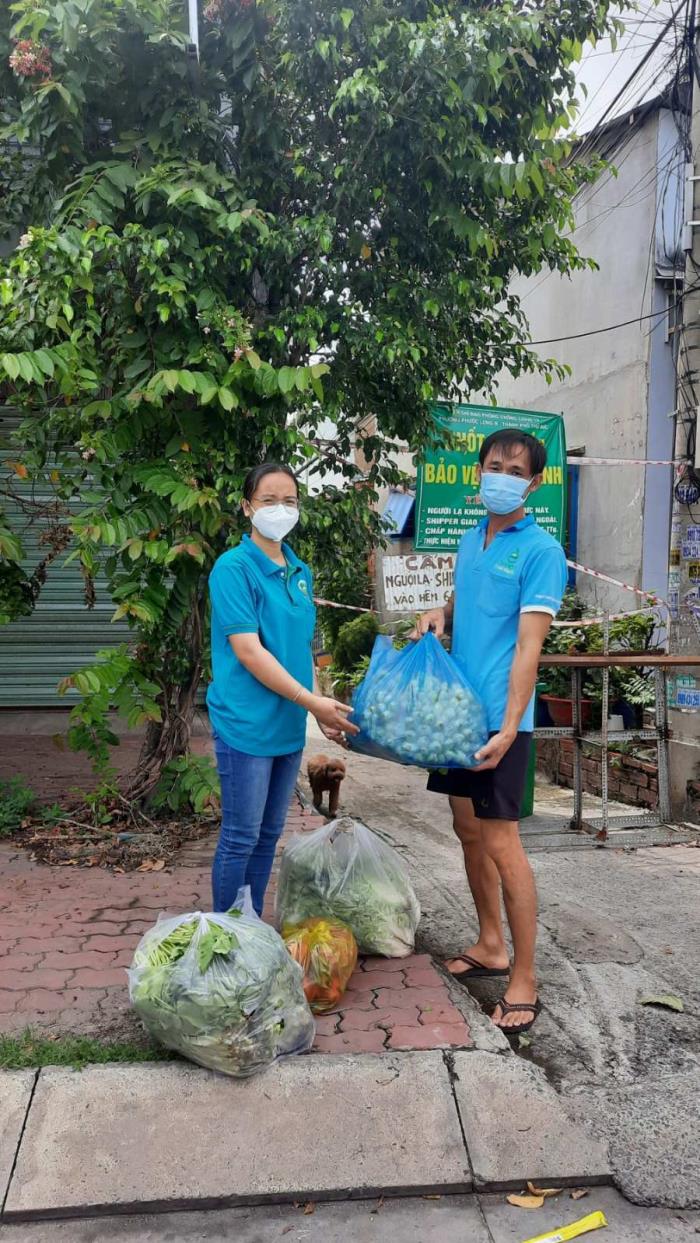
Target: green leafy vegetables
x,y
346,872
221,990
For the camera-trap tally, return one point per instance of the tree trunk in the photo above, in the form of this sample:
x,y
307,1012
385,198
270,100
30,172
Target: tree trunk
x,y
169,738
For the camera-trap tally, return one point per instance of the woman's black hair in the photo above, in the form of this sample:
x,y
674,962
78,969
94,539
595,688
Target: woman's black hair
x,y
258,473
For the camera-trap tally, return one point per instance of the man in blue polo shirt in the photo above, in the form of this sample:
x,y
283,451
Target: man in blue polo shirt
x,y
509,581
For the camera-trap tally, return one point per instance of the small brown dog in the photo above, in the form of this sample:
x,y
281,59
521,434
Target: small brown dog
x,y
325,776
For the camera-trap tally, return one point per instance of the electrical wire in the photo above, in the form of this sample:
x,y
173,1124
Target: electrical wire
x,y
620,53
618,143
591,137
653,173
625,323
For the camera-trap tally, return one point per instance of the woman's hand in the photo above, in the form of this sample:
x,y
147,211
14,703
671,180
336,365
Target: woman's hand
x,y
332,714
335,735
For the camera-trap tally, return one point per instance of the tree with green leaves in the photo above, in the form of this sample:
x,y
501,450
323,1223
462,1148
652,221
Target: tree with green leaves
x,y
318,219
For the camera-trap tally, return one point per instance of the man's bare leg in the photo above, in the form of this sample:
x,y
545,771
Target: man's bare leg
x,y
501,844
484,881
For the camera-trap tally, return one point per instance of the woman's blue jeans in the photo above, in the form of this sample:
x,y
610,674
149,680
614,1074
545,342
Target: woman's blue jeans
x,y
255,795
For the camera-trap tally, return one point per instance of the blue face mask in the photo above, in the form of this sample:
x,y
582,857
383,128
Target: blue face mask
x,y
501,493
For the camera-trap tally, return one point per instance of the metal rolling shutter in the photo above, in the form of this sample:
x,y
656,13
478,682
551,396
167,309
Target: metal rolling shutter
x,y
62,635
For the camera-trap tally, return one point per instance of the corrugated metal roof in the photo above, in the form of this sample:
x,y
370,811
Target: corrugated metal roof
x,y
63,634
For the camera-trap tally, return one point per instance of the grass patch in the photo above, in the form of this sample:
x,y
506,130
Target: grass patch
x,y
16,802
30,1051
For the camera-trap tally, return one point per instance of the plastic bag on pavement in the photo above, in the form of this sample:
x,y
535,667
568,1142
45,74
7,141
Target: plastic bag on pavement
x,y
416,707
222,990
326,950
343,871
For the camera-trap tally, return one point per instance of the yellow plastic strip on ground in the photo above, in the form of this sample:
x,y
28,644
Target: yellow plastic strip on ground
x,y
594,1221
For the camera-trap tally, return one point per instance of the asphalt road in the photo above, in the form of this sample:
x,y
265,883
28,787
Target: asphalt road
x,y
617,925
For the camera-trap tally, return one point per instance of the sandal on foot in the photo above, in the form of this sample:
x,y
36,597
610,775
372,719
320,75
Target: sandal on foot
x,y
512,1007
477,970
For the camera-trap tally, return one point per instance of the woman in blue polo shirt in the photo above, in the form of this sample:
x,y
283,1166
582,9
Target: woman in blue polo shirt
x,y
262,624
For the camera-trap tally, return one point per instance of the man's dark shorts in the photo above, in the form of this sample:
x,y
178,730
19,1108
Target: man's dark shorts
x,y
497,793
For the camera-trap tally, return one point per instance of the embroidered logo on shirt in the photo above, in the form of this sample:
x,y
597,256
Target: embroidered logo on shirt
x,y
507,566
302,585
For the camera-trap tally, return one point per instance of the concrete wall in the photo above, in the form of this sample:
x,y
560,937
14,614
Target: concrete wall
x,y
605,400
617,400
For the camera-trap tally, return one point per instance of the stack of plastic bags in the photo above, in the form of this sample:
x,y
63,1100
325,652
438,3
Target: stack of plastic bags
x,y
416,707
222,990
343,871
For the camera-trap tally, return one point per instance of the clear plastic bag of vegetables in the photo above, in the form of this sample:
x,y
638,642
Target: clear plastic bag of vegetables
x,y
416,707
326,950
343,871
222,990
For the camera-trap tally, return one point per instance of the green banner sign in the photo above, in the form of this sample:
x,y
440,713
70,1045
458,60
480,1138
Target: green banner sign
x,y
447,491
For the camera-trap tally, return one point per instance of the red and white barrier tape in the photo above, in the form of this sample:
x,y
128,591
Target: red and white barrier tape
x,y
574,460
658,601
351,608
616,582
598,621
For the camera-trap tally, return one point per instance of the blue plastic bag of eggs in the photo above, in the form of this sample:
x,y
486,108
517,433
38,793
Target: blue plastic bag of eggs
x,y
416,707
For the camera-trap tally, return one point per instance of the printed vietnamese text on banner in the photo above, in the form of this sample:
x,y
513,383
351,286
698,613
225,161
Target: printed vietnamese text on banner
x,y
447,490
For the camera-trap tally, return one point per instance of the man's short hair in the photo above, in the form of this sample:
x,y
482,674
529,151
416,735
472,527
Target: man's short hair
x,y
511,438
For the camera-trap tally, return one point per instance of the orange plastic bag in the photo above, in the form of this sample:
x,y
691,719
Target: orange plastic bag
x,y
327,952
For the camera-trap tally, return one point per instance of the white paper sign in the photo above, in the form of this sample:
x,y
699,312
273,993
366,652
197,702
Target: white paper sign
x,y
418,581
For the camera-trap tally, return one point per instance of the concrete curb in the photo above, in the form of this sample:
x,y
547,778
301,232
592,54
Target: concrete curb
x,y
169,1136
17,1089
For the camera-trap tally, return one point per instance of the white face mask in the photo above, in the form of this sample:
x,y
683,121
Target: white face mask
x,y
275,521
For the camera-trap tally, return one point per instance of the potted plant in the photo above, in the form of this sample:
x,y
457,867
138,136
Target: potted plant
x,y
557,693
556,679
631,690
635,690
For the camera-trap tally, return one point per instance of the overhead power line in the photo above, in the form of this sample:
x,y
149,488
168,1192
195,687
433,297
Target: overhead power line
x,y
625,323
590,137
618,53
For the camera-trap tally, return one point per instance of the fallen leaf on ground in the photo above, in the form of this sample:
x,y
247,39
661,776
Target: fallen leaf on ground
x,y
380,1205
158,865
666,1000
431,1197
309,1209
526,1201
546,1192
579,1193
524,1042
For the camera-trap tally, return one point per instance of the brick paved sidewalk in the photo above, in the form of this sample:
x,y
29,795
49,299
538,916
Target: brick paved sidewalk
x,y
66,935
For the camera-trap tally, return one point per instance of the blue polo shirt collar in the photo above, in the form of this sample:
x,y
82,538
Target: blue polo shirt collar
x,y
266,564
526,521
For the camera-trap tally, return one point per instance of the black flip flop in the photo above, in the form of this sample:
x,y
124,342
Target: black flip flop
x,y
477,971
512,1007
